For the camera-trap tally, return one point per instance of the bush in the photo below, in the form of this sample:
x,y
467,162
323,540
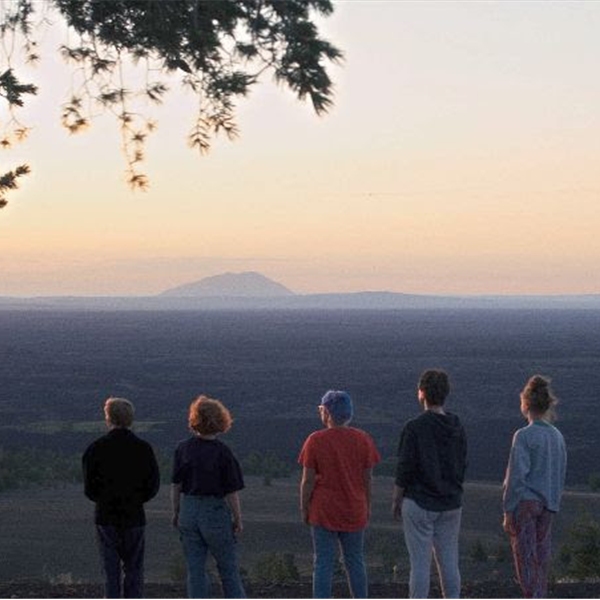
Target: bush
x,y
32,466
478,552
276,568
580,555
268,465
594,482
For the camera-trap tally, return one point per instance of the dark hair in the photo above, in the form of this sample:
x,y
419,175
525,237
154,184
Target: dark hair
x,y
435,385
537,395
208,416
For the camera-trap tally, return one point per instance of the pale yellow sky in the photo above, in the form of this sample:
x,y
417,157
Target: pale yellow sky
x,y
460,158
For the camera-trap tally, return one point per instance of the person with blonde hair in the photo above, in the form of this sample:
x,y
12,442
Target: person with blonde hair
x,y
120,475
533,486
206,506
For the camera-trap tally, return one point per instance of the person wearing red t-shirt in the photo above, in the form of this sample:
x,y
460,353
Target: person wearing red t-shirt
x,y
335,493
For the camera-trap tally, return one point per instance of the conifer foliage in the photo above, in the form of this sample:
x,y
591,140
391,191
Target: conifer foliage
x,y
218,50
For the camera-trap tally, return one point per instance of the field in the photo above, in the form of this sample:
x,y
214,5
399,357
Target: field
x,y
47,534
271,369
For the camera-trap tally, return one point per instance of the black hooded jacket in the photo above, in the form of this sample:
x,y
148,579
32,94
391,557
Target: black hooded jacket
x,y
432,459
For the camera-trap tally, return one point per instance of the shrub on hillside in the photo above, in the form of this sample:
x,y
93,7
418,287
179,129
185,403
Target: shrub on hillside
x,y
32,466
580,555
275,568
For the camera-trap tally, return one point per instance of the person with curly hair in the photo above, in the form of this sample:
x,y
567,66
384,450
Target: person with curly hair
x,y
533,486
206,506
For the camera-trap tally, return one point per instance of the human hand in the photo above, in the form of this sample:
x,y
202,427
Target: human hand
x,y
508,523
238,526
397,509
304,512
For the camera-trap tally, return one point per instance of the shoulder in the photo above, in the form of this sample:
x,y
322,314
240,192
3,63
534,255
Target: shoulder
x,y
131,438
558,435
521,434
97,444
223,448
416,423
183,443
361,434
316,436
144,444
314,441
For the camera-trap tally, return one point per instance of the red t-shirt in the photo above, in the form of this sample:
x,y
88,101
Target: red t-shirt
x,y
339,456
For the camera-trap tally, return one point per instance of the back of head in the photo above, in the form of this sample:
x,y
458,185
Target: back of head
x,y
435,385
208,416
537,395
119,412
339,406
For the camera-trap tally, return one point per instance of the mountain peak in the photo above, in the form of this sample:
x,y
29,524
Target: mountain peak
x,y
248,284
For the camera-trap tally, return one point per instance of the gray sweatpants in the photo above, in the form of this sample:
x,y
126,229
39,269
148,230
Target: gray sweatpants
x,y
429,533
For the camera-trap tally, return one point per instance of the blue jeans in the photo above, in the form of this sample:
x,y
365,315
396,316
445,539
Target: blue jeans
x,y
425,533
325,546
205,525
122,553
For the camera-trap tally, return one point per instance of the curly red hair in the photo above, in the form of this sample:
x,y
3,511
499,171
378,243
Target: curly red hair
x,y
208,416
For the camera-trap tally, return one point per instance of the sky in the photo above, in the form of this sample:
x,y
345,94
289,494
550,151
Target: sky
x,y
461,157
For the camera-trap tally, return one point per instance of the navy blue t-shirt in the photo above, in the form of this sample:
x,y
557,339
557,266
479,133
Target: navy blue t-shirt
x,y
206,468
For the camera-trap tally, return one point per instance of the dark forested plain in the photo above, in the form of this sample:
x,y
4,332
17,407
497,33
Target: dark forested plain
x,y
271,369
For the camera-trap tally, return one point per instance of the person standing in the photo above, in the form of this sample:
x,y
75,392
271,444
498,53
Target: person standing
x,y
432,459
120,475
533,486
204,494
335,494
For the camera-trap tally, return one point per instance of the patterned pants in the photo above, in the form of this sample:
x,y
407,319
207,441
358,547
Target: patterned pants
x,y
531,547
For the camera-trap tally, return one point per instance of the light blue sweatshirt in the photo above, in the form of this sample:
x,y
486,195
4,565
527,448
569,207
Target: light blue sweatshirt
x,y
536,467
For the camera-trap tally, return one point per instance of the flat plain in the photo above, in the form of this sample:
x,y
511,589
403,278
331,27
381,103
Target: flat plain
x,y
271,368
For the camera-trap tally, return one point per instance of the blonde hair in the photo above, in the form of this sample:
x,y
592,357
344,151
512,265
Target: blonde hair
x,y
119,412
208,416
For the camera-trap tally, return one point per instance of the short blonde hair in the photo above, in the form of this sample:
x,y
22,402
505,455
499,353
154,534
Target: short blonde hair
x,y
119,412
208,416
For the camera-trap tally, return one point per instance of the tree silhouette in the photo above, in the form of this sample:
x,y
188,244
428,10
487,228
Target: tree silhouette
x,y
218,50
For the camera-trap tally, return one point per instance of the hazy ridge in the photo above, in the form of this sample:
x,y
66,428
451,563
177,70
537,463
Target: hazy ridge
x,y
250,290
348,301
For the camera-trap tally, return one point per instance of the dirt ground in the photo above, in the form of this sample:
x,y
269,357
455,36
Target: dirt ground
x,y
508,589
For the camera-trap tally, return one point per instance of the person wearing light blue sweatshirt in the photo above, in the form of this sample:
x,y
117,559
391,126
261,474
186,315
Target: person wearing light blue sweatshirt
x,y
533,486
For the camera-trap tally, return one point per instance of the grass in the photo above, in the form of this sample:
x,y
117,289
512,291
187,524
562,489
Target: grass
x,y
49,532
99,427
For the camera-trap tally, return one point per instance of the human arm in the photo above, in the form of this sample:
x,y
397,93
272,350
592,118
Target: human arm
x,y
508,523
519,465
397,498
408,461
307,485
91,476
233,501
152,479
368,480
175,503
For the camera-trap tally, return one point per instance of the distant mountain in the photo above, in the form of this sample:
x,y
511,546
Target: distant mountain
x,y
248,284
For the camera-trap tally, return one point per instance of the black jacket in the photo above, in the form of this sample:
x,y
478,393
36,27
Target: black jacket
x,y
432,459
120,474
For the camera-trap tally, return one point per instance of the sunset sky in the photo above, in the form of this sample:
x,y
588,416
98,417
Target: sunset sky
x,y
461,157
